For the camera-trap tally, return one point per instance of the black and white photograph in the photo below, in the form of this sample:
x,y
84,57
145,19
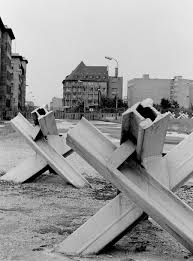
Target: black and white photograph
x,y
96,130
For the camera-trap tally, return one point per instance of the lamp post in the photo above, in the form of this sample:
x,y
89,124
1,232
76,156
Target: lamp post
x,y
116,105
116,75
84,94
99,98
117,67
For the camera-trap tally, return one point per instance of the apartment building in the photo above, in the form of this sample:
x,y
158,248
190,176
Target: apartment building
x,y
87,84
12,73
19,64
176,89
6,37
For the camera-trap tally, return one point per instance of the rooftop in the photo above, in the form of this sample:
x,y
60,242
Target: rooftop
x,y
88,73
4,28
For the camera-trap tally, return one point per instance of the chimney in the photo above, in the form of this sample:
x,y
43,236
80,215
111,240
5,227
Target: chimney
x,y
116,72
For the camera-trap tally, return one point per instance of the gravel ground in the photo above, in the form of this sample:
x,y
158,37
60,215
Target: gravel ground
x,y
36,216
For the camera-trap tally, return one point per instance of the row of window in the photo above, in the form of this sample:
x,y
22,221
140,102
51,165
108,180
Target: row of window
x,y
82,84
82,76
78,89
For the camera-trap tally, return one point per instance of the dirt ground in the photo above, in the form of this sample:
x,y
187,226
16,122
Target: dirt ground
x,y
35,216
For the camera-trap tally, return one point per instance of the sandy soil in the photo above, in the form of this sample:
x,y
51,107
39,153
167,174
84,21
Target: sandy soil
x,y
35,216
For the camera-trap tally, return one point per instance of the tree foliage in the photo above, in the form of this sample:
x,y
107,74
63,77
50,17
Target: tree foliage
x,y
106,102
167,104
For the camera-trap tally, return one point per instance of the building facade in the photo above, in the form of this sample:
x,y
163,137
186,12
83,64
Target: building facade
x,y
19,64
175,89
12,73
6,37
115,87
87,84
56,104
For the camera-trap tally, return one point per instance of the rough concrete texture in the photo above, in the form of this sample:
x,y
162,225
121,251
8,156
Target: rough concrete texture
x,y
36,216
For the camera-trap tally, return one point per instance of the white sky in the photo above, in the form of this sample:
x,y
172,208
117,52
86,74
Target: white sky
x,y
145,36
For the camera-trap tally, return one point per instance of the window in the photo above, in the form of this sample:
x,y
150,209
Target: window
x,y
8,48
9,76
8,89
8,62
8,103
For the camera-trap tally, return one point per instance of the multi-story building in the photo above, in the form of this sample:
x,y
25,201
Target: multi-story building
x,y
115,87
176,89
87,84
12,73
6,37
56,104
18,82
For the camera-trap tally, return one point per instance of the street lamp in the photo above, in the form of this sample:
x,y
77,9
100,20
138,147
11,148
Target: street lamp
x,y
116,68
84,95
116,75
99,98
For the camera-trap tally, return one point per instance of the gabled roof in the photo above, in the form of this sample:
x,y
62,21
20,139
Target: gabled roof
x,y
88,73
4,28
10,32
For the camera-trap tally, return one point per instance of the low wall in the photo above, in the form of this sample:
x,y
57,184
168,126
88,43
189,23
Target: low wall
x,y
180,125
8,115
88,116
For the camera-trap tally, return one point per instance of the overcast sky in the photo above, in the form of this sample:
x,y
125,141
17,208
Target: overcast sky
x,y
145,36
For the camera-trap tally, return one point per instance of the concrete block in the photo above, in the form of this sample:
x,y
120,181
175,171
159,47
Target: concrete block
x,y
30,130
103,228
49,153
180,162
136,183
142,123
45,119
24,171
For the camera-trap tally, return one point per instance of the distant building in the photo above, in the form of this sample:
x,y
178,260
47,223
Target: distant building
x,y
86,84
176,89
6,37
56,104
18,82
29,105
115,87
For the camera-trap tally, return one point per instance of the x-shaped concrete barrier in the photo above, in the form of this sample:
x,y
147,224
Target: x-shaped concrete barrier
x,y
144,177
49,148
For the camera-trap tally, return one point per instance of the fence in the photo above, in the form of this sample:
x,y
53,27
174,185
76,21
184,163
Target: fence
x,y
8,115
